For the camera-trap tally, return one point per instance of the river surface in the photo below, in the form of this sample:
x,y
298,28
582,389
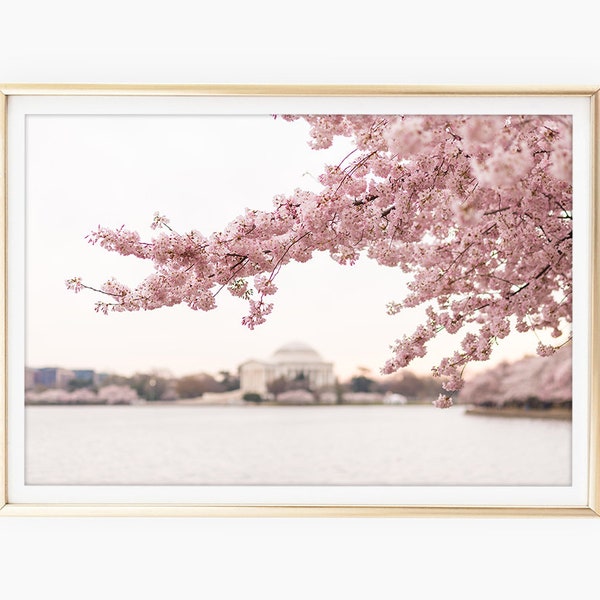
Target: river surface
x,y
271,445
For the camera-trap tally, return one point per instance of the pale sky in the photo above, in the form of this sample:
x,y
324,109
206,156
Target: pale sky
x,y
201,172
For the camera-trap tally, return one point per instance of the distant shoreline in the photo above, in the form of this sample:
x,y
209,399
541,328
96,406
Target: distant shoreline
x,y
509,413
561,414
212,403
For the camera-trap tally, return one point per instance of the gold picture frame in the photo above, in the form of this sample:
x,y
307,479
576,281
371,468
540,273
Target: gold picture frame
x,y
590,509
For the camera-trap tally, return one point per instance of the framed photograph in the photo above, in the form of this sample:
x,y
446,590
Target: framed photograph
x,y
227,300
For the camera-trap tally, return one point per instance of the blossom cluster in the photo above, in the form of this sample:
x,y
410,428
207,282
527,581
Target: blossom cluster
x,y
477,209
443,401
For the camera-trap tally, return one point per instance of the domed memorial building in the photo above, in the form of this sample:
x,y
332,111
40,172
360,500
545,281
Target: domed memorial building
x,y
292,362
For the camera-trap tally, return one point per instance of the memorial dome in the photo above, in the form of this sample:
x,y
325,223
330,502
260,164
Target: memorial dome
x,y
296,352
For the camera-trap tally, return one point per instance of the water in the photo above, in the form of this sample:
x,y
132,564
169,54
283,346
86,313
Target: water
x,y
329,445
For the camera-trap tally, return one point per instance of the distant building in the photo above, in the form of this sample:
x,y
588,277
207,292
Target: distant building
x,y
291,362
56,377
86,375
29,378
53,377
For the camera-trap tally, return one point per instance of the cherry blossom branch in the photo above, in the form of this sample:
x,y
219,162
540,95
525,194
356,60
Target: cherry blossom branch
x,y
467,205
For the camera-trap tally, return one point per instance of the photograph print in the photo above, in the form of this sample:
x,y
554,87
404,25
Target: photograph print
x,y
298,300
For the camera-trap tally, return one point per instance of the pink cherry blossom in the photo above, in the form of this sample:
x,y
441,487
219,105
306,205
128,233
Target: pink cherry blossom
x,y
443,401
159,221
74,284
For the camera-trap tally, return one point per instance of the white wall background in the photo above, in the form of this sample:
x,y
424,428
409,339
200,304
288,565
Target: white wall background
x,y
376,42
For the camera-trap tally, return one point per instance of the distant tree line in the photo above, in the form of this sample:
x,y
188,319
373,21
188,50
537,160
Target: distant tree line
x,y
531,383
415,388
162,386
